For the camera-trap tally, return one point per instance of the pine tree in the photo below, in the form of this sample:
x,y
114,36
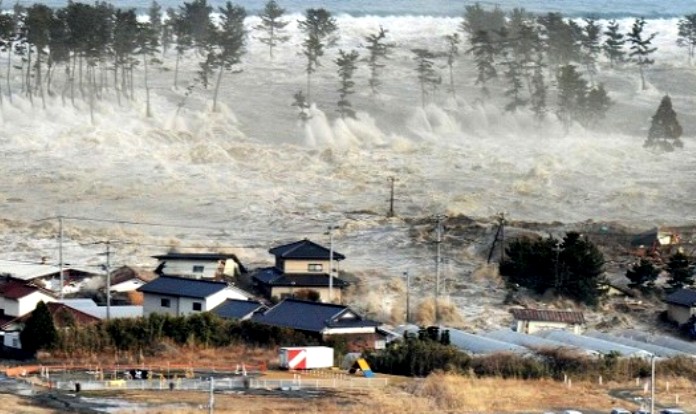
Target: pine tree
x,y
665,130
642,275
562,39
155,19
37,24
428,78
167,38
347,64
641,49
58,49
378,50
125,43
484,53
572,92
614,43
513,76
39,330
686,36
230,41
597,104
147,42
476,19
182,35
7,34
300,102
591,46
681,271
273,26
319,28
452,53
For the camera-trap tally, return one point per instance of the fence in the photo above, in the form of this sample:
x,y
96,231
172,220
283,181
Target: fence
x,y
221,384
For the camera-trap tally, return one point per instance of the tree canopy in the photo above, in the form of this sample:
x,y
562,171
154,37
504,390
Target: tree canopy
x,y
665,129
39,331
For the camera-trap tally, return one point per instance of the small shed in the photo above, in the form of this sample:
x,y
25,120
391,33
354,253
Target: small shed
x,y
681,304
529,321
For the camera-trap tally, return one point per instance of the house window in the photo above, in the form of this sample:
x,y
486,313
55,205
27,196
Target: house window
x,y
15,343
197,306
165,303
315,267
198,269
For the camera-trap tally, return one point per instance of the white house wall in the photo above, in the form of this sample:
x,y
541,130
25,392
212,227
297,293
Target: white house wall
x,y
531,327
28,303
153,304
185,268
302,266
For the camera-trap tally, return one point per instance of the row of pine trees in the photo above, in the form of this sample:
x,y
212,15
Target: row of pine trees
x,y
98,47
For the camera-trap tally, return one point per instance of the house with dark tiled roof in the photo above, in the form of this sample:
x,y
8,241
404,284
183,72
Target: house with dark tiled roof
x,y
19,298
238,309
181,296
301,267
325,321
681,305
529,321
210,266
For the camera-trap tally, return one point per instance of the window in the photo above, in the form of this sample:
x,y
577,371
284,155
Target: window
x,y
165,303
315,267
197,306
198,269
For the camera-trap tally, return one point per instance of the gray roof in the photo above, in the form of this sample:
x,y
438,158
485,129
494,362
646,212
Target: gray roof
x,y
599,345
658,350
237,309
683,297
274,277
531,341
312,316
477,344
179,286
660,339
305,249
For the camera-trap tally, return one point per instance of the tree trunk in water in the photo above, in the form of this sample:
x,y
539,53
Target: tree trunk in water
x,y
176,71
124,85
309,77
451,73
91,98
132,90
72,80
642,76
148,112
423,95
28,82
9,68
116,87
82,90
39,83
217,87
49,77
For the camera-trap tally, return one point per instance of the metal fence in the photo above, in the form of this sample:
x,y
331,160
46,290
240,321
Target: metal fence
x,y
221,384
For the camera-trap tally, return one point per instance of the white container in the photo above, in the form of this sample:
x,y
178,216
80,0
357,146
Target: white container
x,y
306,357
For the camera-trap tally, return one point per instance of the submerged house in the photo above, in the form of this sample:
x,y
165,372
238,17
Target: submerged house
x,y
302,268
681,305
208,266
530,321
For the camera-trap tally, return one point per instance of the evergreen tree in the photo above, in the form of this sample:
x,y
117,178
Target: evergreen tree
x,y
641,49
167,38
562,39
642,275
614,43
300,102
273,26
182,36
347,64
539,90
452,53
524,43
572,91
477,19
37,24
582,270
681,272
378,51
319,28
484,53
198,25
596,105
513,75
231,42
686,36
428,78
7,34
665,130
125,43
155,20
39,330
147,41
591,46
58,51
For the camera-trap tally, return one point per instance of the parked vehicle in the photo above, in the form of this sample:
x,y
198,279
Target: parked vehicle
x,y
572,412
620,411
672,411
306,357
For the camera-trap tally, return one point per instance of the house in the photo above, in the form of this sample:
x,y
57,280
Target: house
x,y
529,321
210,266
45,275
89,307
129,278
651,241
181,296
19,298
681,304
238,309
325,321
301,266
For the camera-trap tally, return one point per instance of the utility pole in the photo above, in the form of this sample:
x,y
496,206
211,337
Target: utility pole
x,y
60,255
652,384
439,218
211,398
391,197
408,296
107,269
501,221
331,228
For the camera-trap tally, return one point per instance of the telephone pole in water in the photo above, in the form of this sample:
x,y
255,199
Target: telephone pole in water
x,y
60,255
439,218
391,197
107,269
